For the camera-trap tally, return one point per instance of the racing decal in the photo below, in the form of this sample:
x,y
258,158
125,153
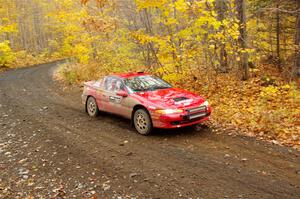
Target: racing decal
x,y
115,99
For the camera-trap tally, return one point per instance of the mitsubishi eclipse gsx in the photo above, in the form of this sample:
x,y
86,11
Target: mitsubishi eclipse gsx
x,y
148,101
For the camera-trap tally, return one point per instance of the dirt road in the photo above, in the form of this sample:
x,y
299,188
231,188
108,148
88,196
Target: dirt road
x,y
49,147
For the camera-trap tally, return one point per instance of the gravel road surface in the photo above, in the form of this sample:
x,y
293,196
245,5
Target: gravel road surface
x,y
50,148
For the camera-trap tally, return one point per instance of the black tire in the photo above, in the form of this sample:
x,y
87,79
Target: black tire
x,y
142,122
92,107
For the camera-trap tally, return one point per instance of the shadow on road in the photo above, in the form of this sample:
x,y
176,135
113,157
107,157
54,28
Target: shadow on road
x,y
190,131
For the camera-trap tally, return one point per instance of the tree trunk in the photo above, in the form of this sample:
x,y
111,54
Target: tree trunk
x,y
278,62
221,6
296,71
241,15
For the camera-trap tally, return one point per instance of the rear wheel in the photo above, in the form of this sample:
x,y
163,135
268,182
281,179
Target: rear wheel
x,y
92,107
142,122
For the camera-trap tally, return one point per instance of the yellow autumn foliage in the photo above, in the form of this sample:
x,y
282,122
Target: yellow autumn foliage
x,y
7,56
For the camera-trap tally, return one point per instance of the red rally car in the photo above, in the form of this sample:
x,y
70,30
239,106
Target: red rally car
x,y
146,100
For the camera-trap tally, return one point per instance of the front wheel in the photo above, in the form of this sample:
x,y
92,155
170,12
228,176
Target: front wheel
x,y
92,107
142,122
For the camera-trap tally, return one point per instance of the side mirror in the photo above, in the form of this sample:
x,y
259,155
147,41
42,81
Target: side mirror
x,y
122,93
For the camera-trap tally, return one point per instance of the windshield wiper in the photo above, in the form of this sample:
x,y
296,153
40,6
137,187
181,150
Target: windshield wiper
x,y
151,88
159,87
142,89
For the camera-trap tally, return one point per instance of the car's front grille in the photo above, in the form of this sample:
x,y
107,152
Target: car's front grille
x,y
193,114
190,120
197,110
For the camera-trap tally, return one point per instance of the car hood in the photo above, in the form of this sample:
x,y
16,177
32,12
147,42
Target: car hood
x,y
171,98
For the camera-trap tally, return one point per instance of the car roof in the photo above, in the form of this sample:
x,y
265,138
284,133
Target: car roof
x,y
126,75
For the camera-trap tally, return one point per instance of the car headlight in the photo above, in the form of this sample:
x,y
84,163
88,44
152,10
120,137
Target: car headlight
x,y
169,111
205,103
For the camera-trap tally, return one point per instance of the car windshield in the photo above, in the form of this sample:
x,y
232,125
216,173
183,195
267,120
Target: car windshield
x,y
145,83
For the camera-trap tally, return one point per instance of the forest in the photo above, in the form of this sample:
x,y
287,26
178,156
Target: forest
x,y
242,55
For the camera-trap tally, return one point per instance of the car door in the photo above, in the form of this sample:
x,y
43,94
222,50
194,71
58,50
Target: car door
x,y
99,92
105,94
112,102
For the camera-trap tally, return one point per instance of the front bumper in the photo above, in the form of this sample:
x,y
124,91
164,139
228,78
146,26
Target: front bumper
x,y
178,120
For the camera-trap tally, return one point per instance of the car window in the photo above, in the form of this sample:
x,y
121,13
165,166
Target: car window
x,y
99,83
119,86
113,84
145,83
